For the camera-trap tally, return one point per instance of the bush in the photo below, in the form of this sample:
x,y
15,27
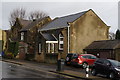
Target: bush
x,y
13,48
9,55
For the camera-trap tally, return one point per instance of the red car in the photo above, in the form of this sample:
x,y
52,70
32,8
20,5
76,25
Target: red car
x,y
83,60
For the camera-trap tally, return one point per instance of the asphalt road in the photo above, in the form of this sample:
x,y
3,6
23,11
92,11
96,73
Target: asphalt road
x,y
12,71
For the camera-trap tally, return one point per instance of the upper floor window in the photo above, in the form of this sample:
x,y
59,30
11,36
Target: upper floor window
x,y
61,37
22,36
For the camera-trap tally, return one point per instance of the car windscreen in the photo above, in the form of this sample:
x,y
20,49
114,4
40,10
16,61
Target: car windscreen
x,y
115,63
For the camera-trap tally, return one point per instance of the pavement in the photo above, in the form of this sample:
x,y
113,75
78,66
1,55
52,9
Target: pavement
x,y
51,68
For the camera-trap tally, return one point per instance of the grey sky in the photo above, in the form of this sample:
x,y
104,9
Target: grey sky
x,y
107,11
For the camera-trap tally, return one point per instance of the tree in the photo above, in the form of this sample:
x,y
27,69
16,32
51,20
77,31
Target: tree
x,y
17,13
37,15
117,34
111,36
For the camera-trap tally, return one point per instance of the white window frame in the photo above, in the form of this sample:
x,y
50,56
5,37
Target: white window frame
x,y
22,36
48,48
51,46
61,37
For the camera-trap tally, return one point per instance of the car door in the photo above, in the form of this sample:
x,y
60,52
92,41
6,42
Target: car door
x,y
106,67
91,59
99,64
74,57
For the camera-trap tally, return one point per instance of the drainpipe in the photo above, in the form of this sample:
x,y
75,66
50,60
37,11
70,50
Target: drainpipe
x,y
68,39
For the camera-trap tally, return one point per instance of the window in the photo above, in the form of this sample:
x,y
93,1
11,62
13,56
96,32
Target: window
x,y
48,48
61,41
22,36
92,57
52,46
106,62
100,61
84,57
40,48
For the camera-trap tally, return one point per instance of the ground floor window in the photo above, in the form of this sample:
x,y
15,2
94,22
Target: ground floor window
x,y
61,38
40,48
52,47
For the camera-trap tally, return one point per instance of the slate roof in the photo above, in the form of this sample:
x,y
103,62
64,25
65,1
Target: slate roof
x,y
103,44
62,22
32,24
48,37
24,23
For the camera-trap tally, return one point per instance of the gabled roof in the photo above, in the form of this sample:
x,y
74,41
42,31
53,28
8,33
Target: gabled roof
x,y
62,22
48,37
24,22
32,24
103,44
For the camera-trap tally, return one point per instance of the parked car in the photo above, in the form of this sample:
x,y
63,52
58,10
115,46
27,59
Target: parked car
x,y
69,58
83,60
108,67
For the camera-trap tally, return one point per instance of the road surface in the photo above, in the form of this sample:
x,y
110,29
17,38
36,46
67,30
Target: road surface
x,y
12,71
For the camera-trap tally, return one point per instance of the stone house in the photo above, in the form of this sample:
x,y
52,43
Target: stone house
x,y
13,35
28,38
70,34
19,24
105,49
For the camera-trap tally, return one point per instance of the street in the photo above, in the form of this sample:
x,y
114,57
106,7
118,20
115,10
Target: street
x,y
12,71
34,71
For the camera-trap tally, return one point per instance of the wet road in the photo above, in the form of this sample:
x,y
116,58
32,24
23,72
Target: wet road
x,y
10,70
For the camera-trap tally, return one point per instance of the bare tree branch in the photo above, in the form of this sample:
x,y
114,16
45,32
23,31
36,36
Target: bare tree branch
x,y
17,13
37,15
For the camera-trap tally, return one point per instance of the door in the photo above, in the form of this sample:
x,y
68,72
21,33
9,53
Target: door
x,y
90,59
106,67
21,53
99,64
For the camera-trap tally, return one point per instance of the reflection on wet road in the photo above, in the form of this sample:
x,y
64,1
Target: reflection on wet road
x,y
10,70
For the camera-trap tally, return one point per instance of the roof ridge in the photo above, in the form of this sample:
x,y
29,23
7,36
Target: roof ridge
x,y
32,23
107,40
62,22
72,14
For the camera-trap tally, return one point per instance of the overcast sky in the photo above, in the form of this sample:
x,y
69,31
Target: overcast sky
x,y
106,10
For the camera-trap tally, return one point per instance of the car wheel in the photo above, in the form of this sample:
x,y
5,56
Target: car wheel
x,y
111,75
84,65
93,72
